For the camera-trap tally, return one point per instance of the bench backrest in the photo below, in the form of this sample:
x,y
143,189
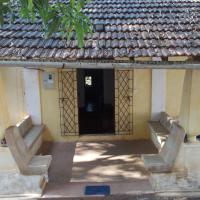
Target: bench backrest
x,y
25,125
166,121
17,147
171,148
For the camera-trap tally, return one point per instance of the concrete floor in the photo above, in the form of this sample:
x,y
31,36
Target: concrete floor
x,y
97,161
62,153
131,197
110,161
115,163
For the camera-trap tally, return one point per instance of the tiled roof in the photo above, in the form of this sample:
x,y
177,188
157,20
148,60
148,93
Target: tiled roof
x,y
133,28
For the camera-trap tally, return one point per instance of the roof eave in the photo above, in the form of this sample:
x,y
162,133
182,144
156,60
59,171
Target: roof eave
x,y
102,65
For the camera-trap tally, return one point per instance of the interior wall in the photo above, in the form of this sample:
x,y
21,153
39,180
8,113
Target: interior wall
x,y
81,88
175,79
108,86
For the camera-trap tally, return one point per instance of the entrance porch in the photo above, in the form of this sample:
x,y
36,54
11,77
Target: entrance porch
x,y
138,99
114,163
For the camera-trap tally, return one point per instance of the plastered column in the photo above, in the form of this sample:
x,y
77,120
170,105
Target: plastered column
x,y
158,93
190,106
4,117
32,94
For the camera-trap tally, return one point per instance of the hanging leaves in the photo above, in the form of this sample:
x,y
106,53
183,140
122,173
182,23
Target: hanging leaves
x,y
5,8
61,18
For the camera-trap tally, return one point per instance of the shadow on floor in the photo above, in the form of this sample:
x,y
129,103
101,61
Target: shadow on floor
x,y
97,161
110,161
62,160
89,155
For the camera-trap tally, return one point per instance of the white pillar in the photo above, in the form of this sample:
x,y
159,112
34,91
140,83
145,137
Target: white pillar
x,y
32,94
190,107
158,103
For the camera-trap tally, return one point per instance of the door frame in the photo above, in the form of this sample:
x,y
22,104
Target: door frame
x,y
68,78
113,104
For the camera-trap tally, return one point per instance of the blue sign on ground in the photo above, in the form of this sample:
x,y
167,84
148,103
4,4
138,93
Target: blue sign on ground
x,y
97,190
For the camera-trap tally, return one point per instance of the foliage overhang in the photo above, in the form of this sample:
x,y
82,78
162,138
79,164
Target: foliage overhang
x,y
63,17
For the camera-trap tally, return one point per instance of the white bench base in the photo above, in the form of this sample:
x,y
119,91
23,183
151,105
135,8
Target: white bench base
x,y
173,182
164,161
13,184
24,140
185,175
155,163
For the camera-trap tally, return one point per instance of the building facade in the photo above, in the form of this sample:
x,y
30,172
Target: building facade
x,y
25,92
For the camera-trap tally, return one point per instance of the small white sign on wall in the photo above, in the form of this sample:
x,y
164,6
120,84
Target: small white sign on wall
x,y
48,80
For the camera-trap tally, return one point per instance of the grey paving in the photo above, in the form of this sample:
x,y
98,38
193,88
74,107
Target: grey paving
x,y
132,197
60,174
111,161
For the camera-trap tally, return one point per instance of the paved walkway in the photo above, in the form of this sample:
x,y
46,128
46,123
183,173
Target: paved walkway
x,y
118,164
97,161
110,161
129,197
114,163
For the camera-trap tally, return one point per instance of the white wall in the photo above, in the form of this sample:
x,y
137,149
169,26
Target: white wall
x,y
158,103
32,94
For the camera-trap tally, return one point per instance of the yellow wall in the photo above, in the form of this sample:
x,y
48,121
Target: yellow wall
x,y
11,81
50,109
141,102
175,79
12,105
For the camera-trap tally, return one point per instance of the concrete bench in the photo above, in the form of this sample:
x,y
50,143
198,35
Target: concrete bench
x,y
164,161
24,140
160,129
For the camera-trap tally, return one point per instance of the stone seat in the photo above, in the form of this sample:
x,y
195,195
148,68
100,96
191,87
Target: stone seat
x,y
160,130
154,162
159,134
164,161
39,164
24,140
32,136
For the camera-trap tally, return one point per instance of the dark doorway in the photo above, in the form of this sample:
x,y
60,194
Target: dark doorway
x,y
96,100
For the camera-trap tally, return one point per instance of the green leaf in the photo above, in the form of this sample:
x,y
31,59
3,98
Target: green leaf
x,y
80,4
53,26
30,5
72,3
79,34
42,8
59,17
4,9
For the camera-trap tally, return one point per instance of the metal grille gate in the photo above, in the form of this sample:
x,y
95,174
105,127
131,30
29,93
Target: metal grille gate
x,y
68,101
124,101
67,83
